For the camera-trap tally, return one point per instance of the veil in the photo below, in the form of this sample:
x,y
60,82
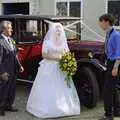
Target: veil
x,y
53,38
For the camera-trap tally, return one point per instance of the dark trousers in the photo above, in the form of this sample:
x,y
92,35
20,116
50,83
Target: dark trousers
x,y
111,93
7,93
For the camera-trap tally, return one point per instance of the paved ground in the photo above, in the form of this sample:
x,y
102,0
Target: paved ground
x,y
21,98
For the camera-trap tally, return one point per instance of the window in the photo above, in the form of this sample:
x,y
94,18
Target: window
x,y
68,8
114,9
76,29
61,8
75,9
30,31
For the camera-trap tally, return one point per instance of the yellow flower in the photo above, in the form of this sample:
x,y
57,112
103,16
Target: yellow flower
x,y
68,65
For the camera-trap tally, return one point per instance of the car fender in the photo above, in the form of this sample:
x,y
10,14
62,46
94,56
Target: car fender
x,y
92,62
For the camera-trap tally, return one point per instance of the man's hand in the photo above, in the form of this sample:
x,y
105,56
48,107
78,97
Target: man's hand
x,y
21,69
115,72
5,76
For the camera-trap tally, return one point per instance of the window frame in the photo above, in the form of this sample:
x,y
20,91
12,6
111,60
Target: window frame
x,y
68,7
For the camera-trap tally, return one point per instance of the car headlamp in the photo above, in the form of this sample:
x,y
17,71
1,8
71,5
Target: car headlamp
x,y
90,55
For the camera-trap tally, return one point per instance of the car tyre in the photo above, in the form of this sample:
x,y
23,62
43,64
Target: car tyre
x,y
87,87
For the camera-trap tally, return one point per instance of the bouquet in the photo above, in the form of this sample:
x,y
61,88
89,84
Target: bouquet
x,y
68,65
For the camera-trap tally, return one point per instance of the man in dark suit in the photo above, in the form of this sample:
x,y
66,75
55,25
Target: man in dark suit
x,y
9,66
112,51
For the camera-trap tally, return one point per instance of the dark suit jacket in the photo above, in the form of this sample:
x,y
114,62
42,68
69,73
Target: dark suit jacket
x,y
8,60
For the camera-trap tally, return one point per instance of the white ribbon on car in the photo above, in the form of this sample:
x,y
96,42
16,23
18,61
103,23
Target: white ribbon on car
x,y
93,31
82,23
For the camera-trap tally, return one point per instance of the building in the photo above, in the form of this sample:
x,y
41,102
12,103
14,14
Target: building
x,y
33,7
88,10
91,12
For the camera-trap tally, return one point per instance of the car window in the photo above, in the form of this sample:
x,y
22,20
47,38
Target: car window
x,y
72,30
29,31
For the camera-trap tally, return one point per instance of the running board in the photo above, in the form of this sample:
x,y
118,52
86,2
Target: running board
x,y
22,80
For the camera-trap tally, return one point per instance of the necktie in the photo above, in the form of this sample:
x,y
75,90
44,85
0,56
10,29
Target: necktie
x,y
108,34
8,40
10,43
106,41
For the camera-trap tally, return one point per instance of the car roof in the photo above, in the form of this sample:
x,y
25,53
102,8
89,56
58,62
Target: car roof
x,y
36,17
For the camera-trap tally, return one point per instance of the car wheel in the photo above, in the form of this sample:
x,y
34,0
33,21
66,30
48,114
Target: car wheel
x,y
87,87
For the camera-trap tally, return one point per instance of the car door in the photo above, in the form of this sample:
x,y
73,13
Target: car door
x,y
29,46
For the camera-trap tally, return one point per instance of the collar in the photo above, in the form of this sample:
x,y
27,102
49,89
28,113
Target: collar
x,y
109,30
5,37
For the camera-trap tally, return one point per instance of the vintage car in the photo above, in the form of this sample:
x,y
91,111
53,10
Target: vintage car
x,y
29,31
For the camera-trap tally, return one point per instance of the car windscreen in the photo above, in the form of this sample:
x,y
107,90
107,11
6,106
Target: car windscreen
x,y
72,29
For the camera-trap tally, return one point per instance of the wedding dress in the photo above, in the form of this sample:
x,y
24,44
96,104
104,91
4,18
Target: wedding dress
x,y
50,96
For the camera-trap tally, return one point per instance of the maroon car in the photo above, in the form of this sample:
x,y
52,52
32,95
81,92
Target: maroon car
x,y
29,32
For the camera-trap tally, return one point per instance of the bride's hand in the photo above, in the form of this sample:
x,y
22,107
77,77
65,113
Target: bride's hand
x,y
58,58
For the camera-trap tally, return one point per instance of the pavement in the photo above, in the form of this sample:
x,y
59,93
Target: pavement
x,y
21,100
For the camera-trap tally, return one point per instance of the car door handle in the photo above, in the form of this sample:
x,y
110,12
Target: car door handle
x,y
20,49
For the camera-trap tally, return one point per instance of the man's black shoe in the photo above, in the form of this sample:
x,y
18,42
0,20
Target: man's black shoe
x,y
2,113
106,118
11,110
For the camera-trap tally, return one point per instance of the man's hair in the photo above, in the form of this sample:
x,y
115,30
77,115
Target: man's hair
x,y
107,18
2,25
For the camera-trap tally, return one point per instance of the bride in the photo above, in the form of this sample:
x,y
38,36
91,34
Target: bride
x,y
50,96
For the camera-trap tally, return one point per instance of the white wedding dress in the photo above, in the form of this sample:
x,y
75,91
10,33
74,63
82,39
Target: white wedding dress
x,y
50,96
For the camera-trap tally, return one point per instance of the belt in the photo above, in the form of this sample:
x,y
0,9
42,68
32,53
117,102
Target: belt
x,y
112,61
110,64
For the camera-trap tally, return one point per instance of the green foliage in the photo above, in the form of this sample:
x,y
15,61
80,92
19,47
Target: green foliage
x,y
68,65
14,42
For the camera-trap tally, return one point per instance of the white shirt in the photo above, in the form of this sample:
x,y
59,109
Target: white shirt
x,y
8,38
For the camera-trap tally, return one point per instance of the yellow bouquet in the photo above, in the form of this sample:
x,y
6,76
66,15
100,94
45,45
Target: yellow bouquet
x,y
68,65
